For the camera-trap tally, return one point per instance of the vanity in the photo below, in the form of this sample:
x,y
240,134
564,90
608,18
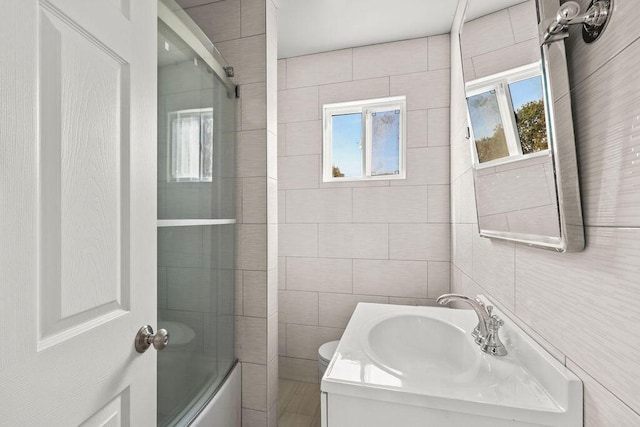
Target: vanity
x,y
420,366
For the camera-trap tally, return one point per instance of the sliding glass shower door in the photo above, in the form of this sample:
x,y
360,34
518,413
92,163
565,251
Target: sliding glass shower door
x,y
196,217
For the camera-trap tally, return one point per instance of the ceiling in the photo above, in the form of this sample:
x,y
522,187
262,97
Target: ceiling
x,y
312,26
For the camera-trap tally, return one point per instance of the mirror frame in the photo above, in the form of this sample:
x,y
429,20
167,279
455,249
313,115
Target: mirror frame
x,y
561,137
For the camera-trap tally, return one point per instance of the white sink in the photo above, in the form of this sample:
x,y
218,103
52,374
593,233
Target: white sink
x,y
418,346
406,366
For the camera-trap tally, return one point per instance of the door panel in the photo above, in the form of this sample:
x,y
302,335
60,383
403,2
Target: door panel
x,y
84,208
78,184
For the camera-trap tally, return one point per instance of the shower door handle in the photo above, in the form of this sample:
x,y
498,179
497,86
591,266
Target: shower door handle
x,y
145,337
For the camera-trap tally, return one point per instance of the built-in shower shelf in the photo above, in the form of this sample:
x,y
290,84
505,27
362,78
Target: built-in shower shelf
x,y
193,222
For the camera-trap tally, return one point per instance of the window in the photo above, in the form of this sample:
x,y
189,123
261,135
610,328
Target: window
x,y
364,140
191,145
507,115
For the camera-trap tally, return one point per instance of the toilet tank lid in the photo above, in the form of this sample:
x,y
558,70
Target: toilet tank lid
x,y
327,350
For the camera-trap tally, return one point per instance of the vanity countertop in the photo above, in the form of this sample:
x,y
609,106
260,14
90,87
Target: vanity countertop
x,y
425,356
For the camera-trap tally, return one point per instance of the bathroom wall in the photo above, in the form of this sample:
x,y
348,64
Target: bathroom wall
x,y
582,306
485,54
245,33
381,241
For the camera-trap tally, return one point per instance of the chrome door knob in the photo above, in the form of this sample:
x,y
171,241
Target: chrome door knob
x,y
146,337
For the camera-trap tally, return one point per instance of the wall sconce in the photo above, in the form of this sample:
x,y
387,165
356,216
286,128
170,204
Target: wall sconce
x,y
594,21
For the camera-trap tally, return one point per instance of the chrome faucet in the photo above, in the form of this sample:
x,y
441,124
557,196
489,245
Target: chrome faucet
x,y
485,333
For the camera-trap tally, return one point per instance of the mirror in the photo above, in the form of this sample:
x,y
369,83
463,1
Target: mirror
x,y
520,125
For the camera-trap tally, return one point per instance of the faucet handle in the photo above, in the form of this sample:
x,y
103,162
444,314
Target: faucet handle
x,y
489,309
492,343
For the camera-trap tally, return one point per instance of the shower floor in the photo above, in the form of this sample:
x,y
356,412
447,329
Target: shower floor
x,y
299,404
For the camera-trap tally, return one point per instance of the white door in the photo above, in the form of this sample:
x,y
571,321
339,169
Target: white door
x,y
77,211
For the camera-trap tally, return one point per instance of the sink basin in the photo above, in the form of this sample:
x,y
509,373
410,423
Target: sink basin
x,y
422,347
417,366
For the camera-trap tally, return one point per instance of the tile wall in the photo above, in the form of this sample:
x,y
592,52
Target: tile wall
x,y
582,306
381,241
245,33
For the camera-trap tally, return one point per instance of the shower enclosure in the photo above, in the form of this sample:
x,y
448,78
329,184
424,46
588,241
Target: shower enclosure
x,y
196,217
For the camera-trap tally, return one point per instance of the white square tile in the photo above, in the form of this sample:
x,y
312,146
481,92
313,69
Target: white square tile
x,y
439,278
282,139
253,59
282,269
609,178
251,339
319,205
298,240
282,199
602,278
252,246
254,386
282,74
253,17
402,57
282,339
318,69
506,58
296,105
423,90
254,106
298,172
252,153
220,21
254,286
313,274
476,40
238,297
601,407
462,252
304,138
254,200
352,91
584,59
438,204
417,128
390,204
390,278
524,22
439,56
426,166
370,241
336,309
438,127
419,242
300,308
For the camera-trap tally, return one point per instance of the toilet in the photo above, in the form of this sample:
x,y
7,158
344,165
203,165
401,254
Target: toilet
x,y
325,354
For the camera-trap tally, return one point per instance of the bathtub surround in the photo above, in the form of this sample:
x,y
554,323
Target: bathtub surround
x,y
376,241
245,33
581,306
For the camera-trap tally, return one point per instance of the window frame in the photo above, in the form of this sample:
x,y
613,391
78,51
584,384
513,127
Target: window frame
x,y
366,108
171,116
500,83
